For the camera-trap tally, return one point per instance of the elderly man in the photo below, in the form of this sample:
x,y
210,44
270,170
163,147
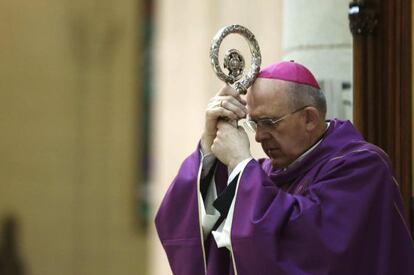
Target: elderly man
x,y
324,202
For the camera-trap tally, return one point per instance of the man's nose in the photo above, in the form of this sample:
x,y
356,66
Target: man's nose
x,y
261,134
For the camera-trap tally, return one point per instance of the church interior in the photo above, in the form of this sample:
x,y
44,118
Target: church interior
x,y
100,101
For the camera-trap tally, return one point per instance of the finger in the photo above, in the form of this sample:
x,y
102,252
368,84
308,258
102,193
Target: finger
x,y
234,106
216,144
220,101
217,112
223,124
228,90
228,103
243,101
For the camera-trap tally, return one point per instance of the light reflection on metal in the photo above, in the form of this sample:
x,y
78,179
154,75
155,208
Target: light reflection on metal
x,y
234,61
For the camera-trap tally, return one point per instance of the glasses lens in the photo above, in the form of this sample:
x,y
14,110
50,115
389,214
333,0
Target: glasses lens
x,y
268,123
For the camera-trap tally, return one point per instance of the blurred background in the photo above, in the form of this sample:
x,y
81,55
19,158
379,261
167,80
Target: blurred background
x,y
100,101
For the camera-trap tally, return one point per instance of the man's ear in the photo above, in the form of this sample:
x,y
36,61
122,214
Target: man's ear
x,y
312,118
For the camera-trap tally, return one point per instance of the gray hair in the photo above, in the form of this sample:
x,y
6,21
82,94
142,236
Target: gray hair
x,y
301,95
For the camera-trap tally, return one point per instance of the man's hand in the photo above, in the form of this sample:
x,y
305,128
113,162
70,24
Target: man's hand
x,y
227,105
231,145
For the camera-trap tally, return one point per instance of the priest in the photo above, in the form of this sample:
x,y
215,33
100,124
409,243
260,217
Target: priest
x,y
325,201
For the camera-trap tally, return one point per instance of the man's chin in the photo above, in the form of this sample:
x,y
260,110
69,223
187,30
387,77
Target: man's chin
x,y
278,163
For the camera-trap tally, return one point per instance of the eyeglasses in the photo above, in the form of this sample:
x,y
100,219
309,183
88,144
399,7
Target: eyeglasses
x,y
268,123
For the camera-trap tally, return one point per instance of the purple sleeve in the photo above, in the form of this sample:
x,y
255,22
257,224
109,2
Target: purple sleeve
x,y
341,224
177,221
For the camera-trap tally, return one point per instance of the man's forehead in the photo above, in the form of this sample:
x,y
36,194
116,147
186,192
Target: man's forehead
x,y
264,90
266,86
267,96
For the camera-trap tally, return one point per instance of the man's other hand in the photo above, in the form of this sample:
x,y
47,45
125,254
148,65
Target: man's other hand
x,y
231,145
227,105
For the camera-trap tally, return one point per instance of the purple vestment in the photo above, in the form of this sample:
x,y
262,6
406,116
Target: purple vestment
x,y
337,211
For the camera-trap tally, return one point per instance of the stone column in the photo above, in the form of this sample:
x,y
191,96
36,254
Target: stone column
x,y
316,34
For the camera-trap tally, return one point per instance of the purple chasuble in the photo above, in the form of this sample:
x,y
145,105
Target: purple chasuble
x,y
337,211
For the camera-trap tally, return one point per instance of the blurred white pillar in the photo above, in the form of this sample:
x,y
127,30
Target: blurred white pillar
x,y
316,34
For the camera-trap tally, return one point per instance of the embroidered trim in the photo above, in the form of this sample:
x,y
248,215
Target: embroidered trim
x,y
396,182
231,224
403,221
199,218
